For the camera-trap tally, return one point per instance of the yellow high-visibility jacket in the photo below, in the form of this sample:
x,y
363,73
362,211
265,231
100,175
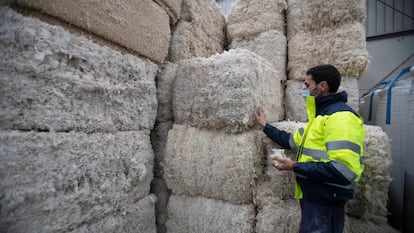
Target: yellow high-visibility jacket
x,y
330,149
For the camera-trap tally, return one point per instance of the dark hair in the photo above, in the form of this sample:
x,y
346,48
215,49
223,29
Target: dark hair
x,y
326,73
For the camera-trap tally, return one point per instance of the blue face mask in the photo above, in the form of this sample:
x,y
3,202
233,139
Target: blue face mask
x,y
305,93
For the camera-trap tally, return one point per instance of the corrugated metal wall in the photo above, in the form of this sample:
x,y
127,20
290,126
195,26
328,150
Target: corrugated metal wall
x,y
389,16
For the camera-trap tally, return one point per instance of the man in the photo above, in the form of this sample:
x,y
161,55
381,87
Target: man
x,y
328,162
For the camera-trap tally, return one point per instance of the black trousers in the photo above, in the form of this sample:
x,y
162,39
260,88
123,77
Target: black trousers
x,y
321,217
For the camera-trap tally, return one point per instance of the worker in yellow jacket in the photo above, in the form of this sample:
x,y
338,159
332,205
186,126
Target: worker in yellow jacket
x,y
329,151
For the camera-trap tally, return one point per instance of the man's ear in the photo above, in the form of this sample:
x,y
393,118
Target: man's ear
x,y
324,86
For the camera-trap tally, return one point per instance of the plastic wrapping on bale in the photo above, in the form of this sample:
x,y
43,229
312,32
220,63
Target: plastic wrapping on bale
x,y
199,33
199,214
53,80
270,45
295,104
222,92
370,202
248,18
312,15
343,47
212,163
59,181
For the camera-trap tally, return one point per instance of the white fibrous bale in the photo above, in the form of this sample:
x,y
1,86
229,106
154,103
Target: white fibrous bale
x,y
158,140
223,91
249,18
53,80
159,188
344,47
200,32
283,216
351,86
370,202
271,45
212,163
165,79
355,225
141,26
199,214
59,181
129,218
312,15
295,104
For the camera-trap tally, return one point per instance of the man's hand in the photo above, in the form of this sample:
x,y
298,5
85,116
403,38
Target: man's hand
x,y
281,163
260,116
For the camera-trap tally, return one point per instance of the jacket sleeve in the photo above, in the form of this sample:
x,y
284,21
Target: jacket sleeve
x,y
279,136
321,172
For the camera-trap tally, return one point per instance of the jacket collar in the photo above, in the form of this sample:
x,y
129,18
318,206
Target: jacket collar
x,y
324,101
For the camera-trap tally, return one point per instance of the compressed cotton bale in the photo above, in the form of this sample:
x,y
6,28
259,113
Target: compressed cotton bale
x,y
213,163
271,45
281,217
354,225
295,104
159,188
165,79
158,140
199,33
343,47
370,202
135,217
199,214
54,80
222,92
248,18
311,15
63,180
141,26
172,7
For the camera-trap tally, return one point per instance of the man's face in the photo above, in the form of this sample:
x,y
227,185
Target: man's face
x,y
310,84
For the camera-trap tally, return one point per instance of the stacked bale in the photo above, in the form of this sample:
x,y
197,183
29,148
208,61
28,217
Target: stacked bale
x,y
212,154
200,31
369,205
259,26
142,27
75,122
321,32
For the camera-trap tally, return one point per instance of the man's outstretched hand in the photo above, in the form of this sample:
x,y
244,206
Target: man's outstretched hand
x,y
260,116
281,163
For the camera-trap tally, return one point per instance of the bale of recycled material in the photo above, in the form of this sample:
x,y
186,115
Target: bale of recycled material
x,y
249,18
295,104
270,45
53,80
312,15
158,140
283,216
141,26
60,181
165,79
370,202
213,163
199,214
200,32
343,47
222,92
